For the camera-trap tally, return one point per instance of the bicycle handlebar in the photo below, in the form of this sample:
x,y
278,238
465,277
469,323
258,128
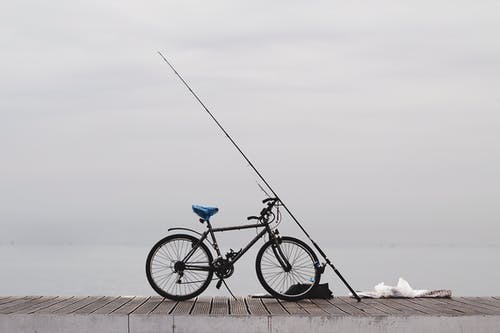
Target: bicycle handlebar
x,y
270,199
266,210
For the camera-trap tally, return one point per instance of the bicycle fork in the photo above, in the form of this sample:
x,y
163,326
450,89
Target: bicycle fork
x,y
282,259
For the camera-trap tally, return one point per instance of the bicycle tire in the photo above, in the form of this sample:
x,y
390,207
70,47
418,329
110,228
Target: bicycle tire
x,y
162,258
296,284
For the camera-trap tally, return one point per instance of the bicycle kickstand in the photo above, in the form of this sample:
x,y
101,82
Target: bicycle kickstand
x,y
220,282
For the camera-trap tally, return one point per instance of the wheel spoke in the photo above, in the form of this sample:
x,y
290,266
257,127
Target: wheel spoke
x,y
164,277
302,268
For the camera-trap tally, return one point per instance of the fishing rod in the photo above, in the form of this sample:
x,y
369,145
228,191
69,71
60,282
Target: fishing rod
x,y
328,262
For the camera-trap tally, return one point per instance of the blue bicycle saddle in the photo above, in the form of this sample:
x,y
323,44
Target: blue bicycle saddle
x,y
205,212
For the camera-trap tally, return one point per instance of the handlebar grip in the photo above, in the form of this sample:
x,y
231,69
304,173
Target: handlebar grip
x,y
269,199
253,218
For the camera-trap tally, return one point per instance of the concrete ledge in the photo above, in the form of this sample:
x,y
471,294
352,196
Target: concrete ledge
x,y
222,324
379,324
150,323
71,323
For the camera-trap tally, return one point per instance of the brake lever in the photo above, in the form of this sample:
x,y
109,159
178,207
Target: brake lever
x,y
270,199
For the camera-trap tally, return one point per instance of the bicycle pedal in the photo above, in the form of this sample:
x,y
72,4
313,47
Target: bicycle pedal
x,y
231,254
219,284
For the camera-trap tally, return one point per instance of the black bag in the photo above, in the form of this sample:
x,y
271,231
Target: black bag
x,y
320,291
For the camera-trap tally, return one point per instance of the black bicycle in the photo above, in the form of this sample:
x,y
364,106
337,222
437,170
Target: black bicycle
x,y
181,266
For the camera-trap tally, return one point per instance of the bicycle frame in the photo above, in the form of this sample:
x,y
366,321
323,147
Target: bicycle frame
x,y
211,231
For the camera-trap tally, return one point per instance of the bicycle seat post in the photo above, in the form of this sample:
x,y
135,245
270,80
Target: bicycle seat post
x,y
212,235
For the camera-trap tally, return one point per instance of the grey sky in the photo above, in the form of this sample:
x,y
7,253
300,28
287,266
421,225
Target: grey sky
x,y
374,119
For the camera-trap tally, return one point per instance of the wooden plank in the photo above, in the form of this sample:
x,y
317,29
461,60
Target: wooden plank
x,y
130,306
311,308
340,306
492,298
481,303
50,301
184,307
448,304
346,307
115,304
422,310
485,300
329,308
90,308
477,304
381,305
238,306
220,306
488,300
365,307
468,310
256,307
28,305
406,308
148,306
60,305
24,304
293,308
273,306
472,309
9,299
202,306
18,301
436,307
75,306
165,307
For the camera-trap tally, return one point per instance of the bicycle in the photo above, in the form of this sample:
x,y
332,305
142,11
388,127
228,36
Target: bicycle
x,y
181,266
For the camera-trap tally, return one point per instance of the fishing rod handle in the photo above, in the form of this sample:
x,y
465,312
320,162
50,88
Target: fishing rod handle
x,y
345,282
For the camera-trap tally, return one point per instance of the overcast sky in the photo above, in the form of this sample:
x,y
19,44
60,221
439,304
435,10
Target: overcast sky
x,y
375,121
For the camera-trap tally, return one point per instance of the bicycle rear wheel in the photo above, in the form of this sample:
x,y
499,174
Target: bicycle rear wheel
x,y
290,284
173,278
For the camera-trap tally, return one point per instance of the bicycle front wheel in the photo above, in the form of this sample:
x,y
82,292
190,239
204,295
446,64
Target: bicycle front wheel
x,y
171,275
288,283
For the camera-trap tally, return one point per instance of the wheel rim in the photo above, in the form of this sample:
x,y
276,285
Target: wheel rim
x,y
299,279
165,268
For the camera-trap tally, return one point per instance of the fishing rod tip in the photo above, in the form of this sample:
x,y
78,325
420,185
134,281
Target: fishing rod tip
x,y
163,57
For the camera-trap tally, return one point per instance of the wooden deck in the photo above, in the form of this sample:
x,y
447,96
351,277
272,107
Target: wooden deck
x,y
128,314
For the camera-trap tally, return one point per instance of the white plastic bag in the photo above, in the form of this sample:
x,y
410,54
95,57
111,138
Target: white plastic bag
x,y
403,289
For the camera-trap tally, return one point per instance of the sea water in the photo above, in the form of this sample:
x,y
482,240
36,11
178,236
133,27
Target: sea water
x,y
120,270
